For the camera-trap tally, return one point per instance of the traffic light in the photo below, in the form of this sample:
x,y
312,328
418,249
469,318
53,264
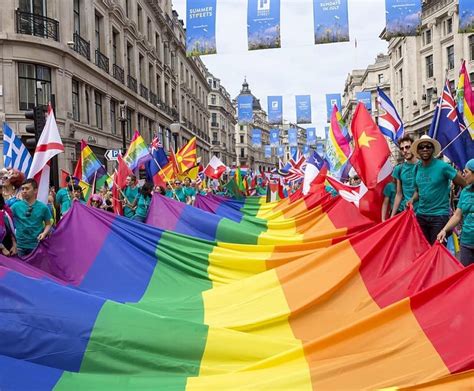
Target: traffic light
x,y
37,114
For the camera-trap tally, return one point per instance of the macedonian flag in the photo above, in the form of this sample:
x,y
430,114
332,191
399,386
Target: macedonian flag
x,y
186,156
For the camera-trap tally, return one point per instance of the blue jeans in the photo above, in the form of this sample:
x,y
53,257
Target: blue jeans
x,y
431,225
467,255
23,252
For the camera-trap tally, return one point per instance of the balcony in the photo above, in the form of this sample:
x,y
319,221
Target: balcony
x,y
82,46
132,83
118,73
101,61
37,25
217,143
215,124
143,91
153,98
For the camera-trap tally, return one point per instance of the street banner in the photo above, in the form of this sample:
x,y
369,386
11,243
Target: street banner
x,y
320,149
331,21
366,98
303,109
200,27
274,137
326,132
275,110
311,136
293,136
466,16
306,150
268,151
257,137
293,151
245,109
331,100
263,24
402,17
280,151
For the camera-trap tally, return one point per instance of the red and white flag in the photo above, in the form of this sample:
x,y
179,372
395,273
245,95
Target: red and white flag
x,y
215,168
49,145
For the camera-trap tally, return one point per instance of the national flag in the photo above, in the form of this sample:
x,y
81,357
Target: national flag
x,y
371,151
314,165
92,168
137,153
157,162
49,145
465,97
15,154
338,148
239,180
448,128
215,168
186,157
297,165
390,123
200,178
165,175
119,183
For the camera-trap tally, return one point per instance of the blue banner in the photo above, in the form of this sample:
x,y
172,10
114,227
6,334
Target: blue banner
x,y
293,136
331,100
311,136
268,151
293,151
274,137
366,98
280,151
402,17
303,109
245,109
320,149
200,27
263,24
331,21
306,150
257,137
275,110
326,132
466,17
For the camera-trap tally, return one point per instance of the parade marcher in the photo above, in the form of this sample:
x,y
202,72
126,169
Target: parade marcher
x,y
389,192
12,182
432,187
7,237
189,191
464,212
128,195
178,192
31,217
404,175
96,201
64,196
142,202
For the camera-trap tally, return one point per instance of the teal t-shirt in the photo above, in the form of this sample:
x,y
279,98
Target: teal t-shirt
x,y
29,222
390,191
63,199
131,194
405,173
169,194
180,194
189,191
143,203
466,204
433,182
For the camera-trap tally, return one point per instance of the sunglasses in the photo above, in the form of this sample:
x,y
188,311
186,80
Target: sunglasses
x,y
29,211
424,146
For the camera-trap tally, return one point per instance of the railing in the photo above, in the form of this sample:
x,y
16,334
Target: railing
x,y
37,25
118,73
132,83
143,91
216,142
215,124
101,61
82,46
153,98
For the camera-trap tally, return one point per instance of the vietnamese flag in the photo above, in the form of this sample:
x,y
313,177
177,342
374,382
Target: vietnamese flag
x,y
215,168
371,150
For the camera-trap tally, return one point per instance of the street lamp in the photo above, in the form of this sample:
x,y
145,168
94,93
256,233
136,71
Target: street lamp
x,y
123,120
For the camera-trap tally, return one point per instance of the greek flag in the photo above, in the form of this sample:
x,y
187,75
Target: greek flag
x,y
15,154
390,123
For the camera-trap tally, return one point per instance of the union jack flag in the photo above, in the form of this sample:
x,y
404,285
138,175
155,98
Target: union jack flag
x,y
447,102
156,143
297,167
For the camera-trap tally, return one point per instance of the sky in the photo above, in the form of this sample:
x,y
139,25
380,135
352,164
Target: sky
x,y
299,67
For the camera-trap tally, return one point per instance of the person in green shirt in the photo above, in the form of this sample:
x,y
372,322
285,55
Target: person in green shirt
x,y
178,192
404,175
64,196
465,212
432,180
142,202
189,191
31,217
389,193
128,195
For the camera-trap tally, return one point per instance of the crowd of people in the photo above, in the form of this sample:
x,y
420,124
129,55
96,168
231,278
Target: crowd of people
x,y
422,182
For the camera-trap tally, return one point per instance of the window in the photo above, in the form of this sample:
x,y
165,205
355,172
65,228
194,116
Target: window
x,y
129,124
77,16
213,100
242,152
399,52
427,37
130,59
76,115
471,47
115,39
452,88
449,26
150,131
139,122
35,85
401,107
139,18
113,116
429,66
214,136
127,8
400,78
141,77
213,118
241,138
380,76
429,94
98,22
98,109
241,127
450,55
37,7
148,29
88,117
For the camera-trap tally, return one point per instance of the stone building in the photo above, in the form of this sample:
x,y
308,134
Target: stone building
x,y
93,55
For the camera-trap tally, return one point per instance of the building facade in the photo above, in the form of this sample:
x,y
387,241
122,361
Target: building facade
x,y
249,155
222,122
93,56
419,65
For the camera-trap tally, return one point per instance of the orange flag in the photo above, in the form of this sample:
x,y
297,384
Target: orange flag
x,y
186,157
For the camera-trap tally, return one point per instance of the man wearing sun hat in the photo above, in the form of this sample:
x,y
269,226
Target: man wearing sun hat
x,y
432,183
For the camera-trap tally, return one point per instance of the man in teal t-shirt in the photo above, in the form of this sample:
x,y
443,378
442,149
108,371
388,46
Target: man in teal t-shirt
x,y
128,195
31,217
64,196
432,180
389,193
404,175
178,191
189,191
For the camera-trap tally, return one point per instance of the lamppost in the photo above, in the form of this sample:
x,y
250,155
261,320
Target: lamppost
x,y
123,120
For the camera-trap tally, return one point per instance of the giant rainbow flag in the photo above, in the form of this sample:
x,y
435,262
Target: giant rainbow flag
x,y
125,305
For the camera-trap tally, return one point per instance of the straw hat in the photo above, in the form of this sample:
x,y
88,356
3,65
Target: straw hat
x,y
426,139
